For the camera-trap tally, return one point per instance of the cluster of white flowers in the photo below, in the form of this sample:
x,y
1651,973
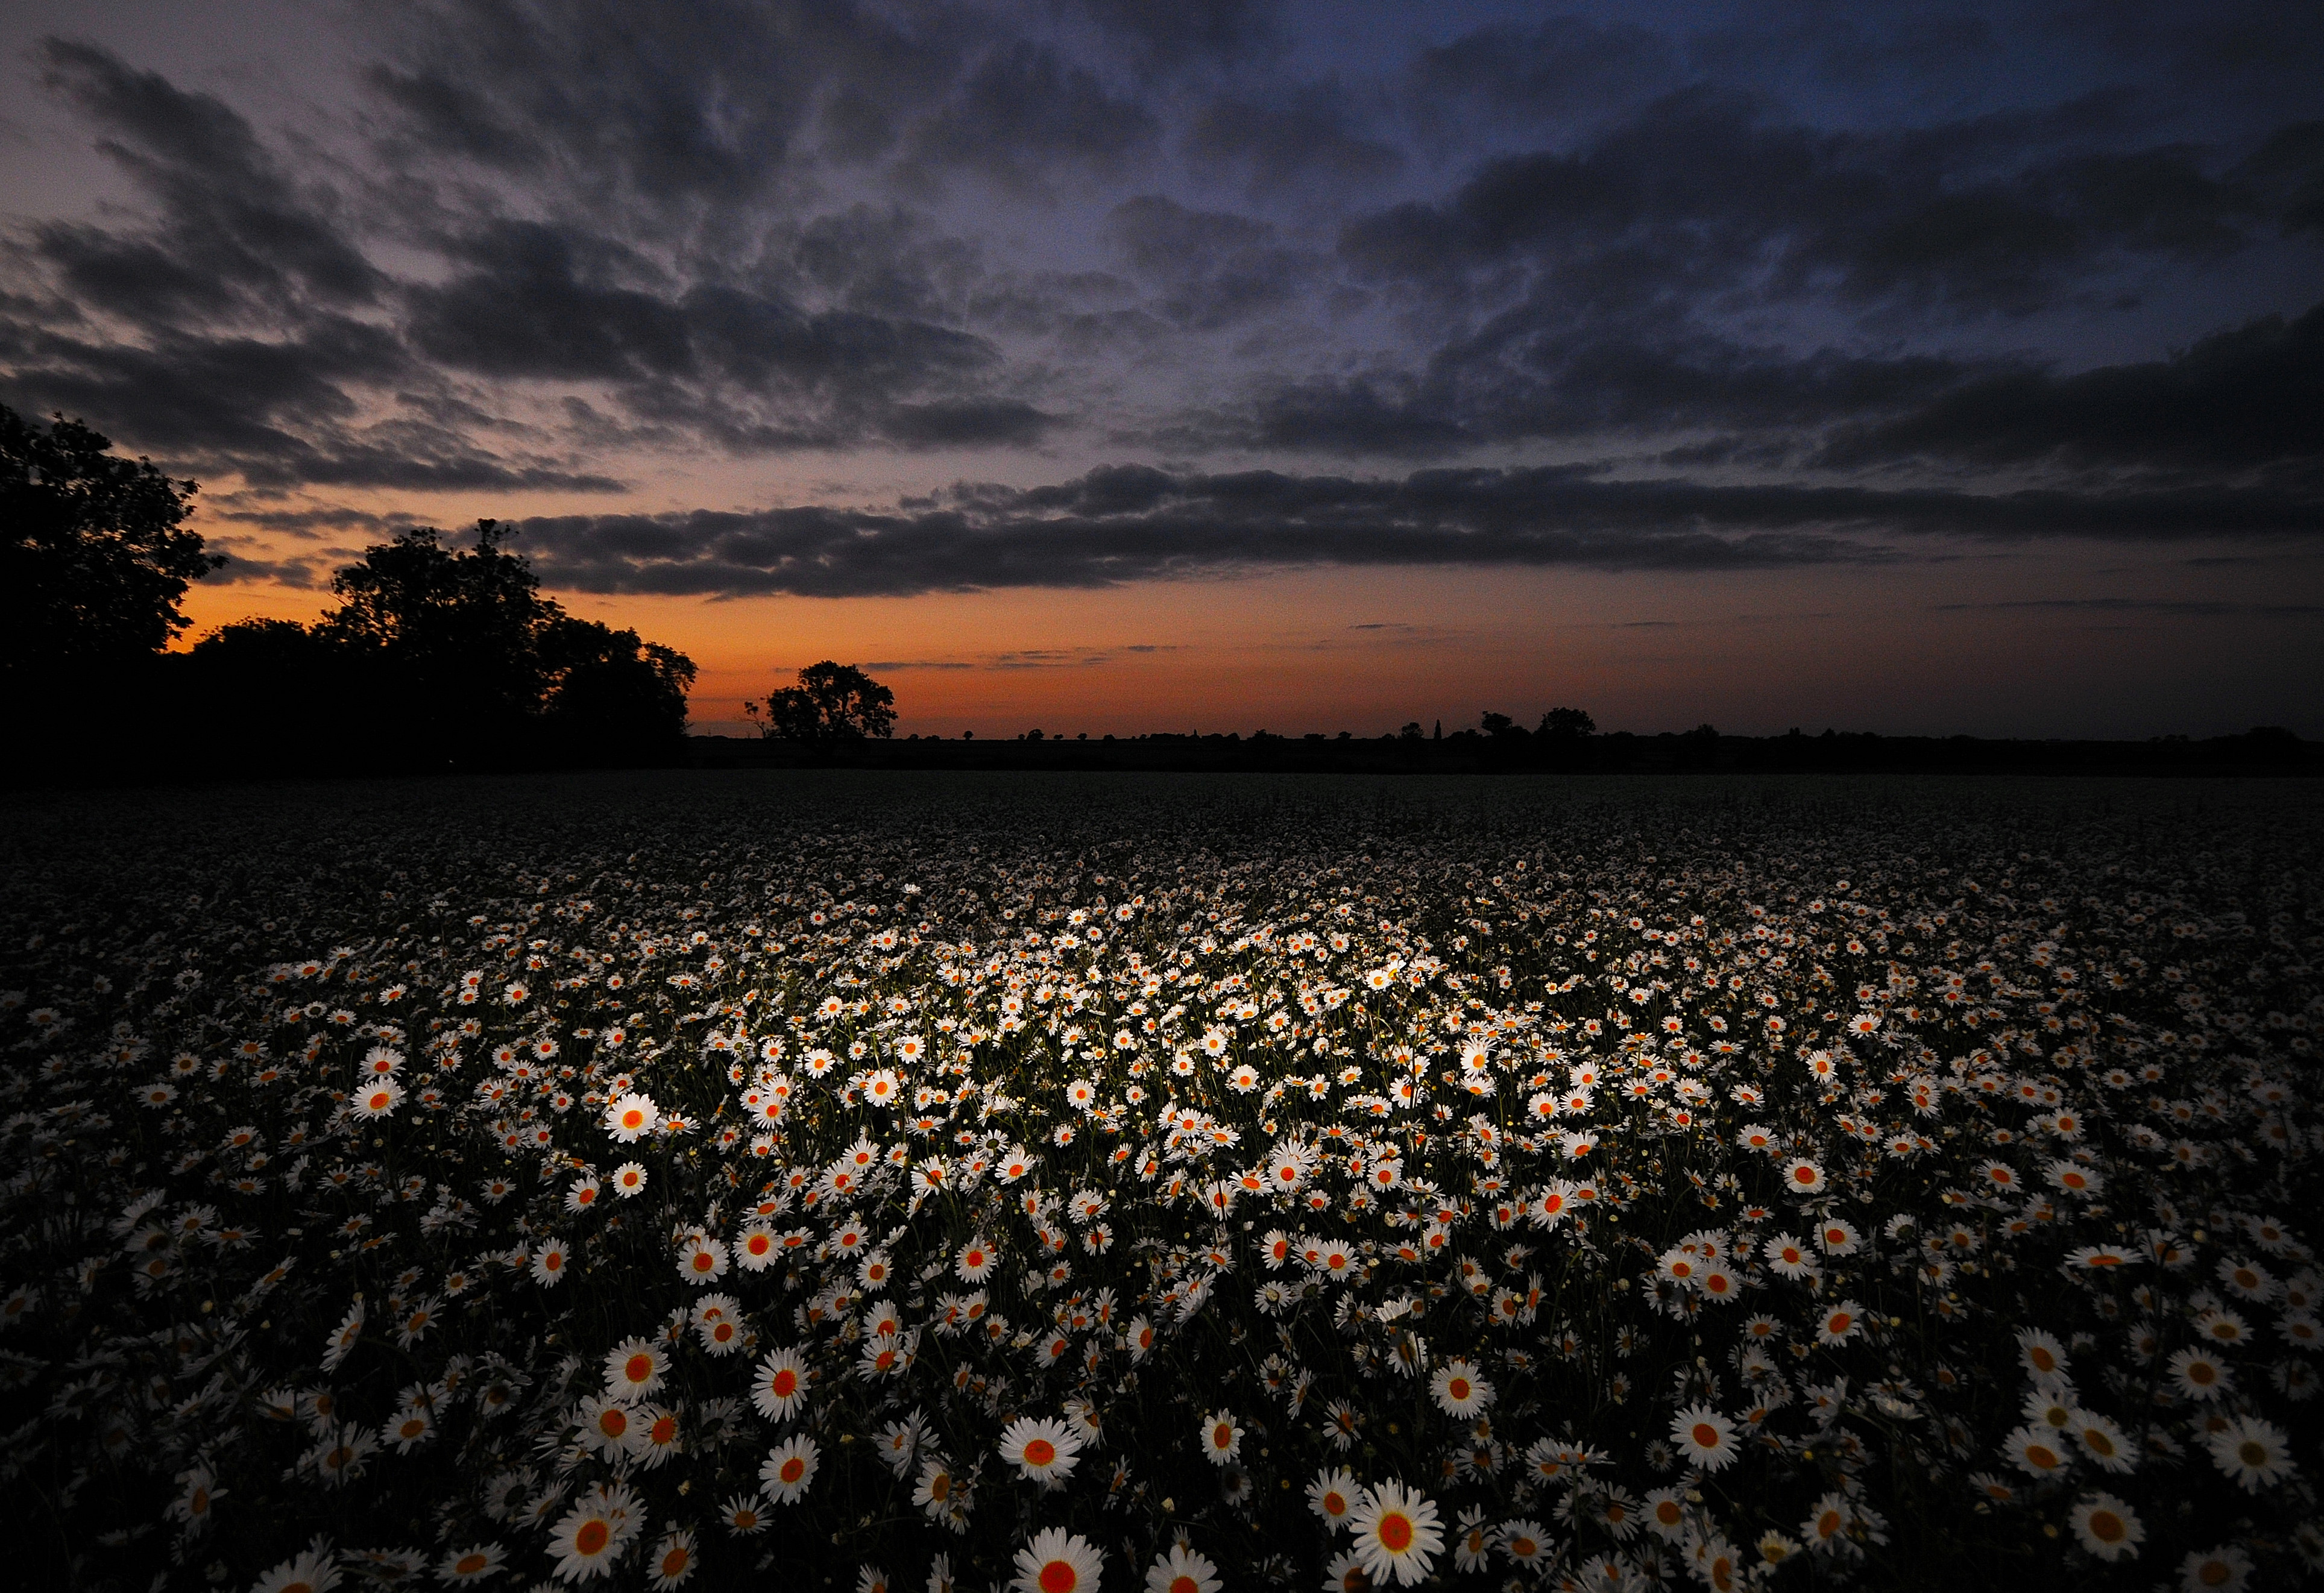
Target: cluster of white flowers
x,y
1087,1188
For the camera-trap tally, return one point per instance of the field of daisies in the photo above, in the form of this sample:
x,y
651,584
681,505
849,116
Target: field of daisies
x,y
826,1179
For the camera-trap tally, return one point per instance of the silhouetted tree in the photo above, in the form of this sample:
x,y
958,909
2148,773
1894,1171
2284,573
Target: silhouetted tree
x,y
1698,749
1568,724
95,557
610,694
258,696
451,634
831,702
434,655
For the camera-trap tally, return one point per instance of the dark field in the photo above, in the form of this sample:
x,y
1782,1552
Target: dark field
x,y
1175,1181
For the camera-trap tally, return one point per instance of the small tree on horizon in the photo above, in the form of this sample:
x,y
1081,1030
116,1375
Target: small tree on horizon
x,y
831,702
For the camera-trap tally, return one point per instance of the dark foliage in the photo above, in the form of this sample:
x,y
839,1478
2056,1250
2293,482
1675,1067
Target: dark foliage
x,y
439,658
94,554
832,703
436,658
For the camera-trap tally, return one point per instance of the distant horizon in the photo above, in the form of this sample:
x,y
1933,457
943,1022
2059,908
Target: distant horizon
x,y
1435,730
1938,367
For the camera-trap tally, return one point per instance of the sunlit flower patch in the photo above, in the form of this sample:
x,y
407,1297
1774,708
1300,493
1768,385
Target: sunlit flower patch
x,y
1098,1188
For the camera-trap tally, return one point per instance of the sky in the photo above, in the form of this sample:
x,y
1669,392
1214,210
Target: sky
x,y
1109,367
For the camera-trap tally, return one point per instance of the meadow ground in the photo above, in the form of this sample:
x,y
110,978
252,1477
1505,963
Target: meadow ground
x,y
1167,1182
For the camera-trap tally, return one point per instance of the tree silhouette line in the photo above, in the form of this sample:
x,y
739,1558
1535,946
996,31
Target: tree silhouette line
x,y
435,658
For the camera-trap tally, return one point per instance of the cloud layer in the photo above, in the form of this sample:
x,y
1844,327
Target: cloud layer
x,y
1133,523
1760,286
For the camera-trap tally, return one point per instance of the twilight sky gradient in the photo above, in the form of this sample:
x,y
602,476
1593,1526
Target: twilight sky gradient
x,y
1109,366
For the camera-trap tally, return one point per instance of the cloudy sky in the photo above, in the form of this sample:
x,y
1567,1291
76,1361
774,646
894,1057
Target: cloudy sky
x,y
1109,366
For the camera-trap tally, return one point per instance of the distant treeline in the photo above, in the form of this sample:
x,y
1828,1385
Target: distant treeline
x,y
1513,750
441,660
435,658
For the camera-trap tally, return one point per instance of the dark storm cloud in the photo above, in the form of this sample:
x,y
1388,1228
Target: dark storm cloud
x,y
233,234
2246,399
540,304
1130,523
1594,290
242,570
1708,189
2288,169
2249,398
548,246
2187,608
615,106
273,412
236,349
1212,269
310,523
193,394
1190,30
1561,70
1518,378
1026,116
1306,134
240,295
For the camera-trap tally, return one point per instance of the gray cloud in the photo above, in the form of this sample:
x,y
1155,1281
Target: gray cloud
x,y
1213,269
234,235
568,248
1132,523
2248,397
1987,214
1310,132
2180,607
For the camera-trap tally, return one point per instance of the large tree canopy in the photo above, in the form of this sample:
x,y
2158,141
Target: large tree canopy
x,y
95,557
441,655
461,627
